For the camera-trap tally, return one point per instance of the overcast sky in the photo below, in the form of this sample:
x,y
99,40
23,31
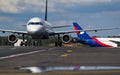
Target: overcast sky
x,y
89,14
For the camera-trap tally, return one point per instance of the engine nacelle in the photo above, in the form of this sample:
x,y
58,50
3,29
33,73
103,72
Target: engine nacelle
x,y
12,38
66,38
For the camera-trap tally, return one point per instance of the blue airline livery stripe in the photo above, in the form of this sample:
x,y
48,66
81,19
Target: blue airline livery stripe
x,y
94,42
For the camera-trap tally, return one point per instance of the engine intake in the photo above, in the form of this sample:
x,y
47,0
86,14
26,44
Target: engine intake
x,y
66,38
12,38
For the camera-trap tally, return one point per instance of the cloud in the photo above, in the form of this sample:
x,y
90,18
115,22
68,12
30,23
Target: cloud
x,y
10,6
6,19
84,1
18,6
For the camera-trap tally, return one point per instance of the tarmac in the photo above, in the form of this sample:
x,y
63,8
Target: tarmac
x,y
12,57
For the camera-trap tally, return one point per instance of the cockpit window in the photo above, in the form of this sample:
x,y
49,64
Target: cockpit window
x,y
35,23
31,23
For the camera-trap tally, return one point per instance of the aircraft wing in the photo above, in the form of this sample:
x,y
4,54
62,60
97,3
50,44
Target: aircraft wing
x,y
86,30
61,26
13,31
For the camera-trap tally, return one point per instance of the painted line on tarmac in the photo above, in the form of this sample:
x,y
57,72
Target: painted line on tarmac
x,y
67,53
21,54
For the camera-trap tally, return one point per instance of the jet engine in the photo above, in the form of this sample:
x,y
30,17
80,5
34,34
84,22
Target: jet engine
x,y
66,38
12,38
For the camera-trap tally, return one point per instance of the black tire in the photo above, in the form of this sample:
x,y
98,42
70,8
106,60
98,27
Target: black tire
x,y
60,44
26,43
56,44
21,44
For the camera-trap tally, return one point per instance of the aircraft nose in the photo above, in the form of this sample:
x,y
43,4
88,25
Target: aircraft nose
x,y
35,29
39,28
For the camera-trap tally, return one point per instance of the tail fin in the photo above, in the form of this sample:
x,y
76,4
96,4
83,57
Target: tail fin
x,y
46,10
81,35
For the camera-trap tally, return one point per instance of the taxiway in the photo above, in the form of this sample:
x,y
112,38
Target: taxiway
x,y
59,56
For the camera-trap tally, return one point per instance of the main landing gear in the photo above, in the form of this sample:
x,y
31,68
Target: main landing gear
x,y
23,42
58,42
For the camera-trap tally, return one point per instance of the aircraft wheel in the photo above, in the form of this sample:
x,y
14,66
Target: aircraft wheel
x,y
23,43
56,44
60,44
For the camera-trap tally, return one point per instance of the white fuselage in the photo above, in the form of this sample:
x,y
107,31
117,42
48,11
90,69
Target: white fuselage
x,y
38,27
109,41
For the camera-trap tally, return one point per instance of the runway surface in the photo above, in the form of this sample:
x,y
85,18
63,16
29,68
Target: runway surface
x,y
61,56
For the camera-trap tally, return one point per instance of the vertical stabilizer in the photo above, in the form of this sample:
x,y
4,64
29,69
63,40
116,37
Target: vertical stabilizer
x,y
46,9
81,35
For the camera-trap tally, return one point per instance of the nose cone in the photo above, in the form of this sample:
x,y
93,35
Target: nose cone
x,y
35,30
35,26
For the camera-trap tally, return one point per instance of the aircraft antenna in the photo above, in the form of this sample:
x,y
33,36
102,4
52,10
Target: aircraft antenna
x,y
46,10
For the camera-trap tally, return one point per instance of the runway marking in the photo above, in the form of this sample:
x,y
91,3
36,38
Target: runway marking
x,y
22,54
69,51
65,55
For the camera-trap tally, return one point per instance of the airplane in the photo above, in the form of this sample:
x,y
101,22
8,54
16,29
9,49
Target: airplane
x,y
39,28
84,38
